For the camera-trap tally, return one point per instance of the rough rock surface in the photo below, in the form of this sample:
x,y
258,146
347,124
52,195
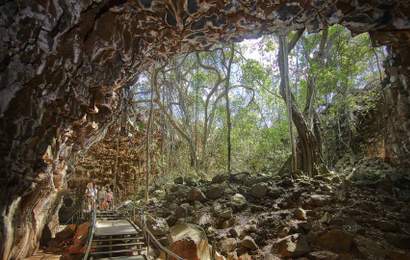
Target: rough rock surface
x,y
327,217
63,65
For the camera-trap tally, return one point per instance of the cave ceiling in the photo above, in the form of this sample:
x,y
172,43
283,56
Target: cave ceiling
x,y
63,62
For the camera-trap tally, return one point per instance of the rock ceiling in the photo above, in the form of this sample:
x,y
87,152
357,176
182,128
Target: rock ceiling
x,y
62,63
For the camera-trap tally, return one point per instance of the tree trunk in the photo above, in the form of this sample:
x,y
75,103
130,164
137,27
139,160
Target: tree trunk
x,y
228,109
307,154
148,150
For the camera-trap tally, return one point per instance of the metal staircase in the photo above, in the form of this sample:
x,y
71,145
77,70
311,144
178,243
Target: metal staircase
x,y
115,237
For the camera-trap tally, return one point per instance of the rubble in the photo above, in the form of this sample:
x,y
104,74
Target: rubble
x,y
306,217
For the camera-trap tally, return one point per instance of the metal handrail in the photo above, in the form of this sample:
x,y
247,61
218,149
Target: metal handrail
x,y
91,232
150,237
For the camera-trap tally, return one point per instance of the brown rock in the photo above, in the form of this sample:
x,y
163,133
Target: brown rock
x,y
291,246
189,241
196,194
335,240
67,233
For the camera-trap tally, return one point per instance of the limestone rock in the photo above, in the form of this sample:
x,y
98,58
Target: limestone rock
x,y
189,241
238,201
227,245
294,245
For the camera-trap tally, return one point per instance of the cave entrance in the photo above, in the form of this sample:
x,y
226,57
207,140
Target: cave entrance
x,y
63,64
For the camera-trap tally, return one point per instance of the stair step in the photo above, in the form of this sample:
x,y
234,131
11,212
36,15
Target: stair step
x,y
113,252
134,257
117,245
118,238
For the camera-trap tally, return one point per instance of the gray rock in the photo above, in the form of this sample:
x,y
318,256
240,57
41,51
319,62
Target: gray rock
x,y
220,178
183,211
248,243
215,191
259,190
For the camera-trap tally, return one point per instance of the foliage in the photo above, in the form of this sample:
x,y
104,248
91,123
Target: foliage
x,y
190,91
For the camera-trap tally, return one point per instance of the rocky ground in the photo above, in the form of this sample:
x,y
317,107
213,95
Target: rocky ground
x,y
251,216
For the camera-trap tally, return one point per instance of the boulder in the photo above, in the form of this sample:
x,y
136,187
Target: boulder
x,y
275,192
67,233
238,201
369,248
294,245
183,211
220,178
387,226
224,214
189,241
79,239
323,255
335,240
300,214
259,190
215,191
248,243
227,245
158,226
196,194
401,241
240,178
318,200
205,219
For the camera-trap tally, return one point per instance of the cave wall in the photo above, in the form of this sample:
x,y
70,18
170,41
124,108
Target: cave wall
x,y
397,116
63,63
